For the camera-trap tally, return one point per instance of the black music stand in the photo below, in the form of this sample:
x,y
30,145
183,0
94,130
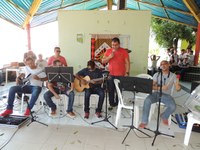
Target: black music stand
x,y
135,84
60,75
105,78
157,132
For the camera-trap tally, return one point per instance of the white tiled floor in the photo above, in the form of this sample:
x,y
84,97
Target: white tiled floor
x,y
64,133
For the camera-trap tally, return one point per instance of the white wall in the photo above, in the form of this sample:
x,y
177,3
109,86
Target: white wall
x,y
124,22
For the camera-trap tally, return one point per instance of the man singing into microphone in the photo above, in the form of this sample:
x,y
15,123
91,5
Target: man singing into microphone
x,y
168,80
118,65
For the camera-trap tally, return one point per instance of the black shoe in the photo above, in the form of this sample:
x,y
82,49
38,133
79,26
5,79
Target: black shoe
x,y
110,108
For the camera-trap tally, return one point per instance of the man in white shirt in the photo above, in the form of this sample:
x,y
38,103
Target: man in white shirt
x,y
35,77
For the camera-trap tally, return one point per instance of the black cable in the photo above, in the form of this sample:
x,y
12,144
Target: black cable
x,y
4,144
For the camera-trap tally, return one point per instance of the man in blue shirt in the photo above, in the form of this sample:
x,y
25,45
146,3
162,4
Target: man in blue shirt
x,y
91,79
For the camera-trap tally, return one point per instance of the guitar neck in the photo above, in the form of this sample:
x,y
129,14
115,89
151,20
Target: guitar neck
x,y
98,79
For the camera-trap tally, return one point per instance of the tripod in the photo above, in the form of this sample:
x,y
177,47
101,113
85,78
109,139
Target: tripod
x,y
157,132
33,117
106,107
132,126
28,106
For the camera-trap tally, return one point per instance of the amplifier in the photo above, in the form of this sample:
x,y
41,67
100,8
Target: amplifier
x,y
13,121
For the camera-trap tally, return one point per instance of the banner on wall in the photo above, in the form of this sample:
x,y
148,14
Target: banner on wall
x,y
99,44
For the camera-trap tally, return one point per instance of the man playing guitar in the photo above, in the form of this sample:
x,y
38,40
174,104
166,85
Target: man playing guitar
x,y
94,87
36,77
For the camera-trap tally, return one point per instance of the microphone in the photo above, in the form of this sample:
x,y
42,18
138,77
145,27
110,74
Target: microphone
x,y
160,69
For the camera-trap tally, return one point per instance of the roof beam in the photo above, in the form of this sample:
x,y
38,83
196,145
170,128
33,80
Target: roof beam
x,y
16,6
61,3
166,8
192,6
63,7
121,5
33,9
109,4
175,21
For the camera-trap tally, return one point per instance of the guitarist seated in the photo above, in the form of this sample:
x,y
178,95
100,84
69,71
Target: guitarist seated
x,y
90,79
35,77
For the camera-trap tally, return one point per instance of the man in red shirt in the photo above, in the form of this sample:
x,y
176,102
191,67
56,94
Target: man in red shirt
x,y
57,56
118,65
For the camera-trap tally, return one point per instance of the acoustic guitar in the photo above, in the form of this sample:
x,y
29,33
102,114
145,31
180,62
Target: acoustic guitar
x,y
79,87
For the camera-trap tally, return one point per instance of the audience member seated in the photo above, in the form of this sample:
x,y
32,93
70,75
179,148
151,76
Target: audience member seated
x,y
182,55
40,62
34,86
30,54
191,58
184,66
173,64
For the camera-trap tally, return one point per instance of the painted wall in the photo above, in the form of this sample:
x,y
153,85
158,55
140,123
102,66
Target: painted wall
x,y
136,24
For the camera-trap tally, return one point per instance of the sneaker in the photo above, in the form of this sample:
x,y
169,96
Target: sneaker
x,y
86,115
71,114
98,114
6,112
27,112
165,122
142,125
111,107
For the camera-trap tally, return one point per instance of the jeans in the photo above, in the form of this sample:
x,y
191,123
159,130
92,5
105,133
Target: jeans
x,y
153,98
48,98
112,93
97,90
27,89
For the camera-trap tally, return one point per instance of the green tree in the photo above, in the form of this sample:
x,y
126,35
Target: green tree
x,y
168,33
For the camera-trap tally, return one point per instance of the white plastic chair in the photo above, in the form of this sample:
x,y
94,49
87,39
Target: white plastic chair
x,y
139,100
192,119
120,103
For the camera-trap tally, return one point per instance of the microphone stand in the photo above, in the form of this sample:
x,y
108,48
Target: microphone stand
x,y
106,111
157,132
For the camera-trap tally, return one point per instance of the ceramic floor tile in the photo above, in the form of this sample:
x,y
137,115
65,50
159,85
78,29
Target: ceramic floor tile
x,y
79,134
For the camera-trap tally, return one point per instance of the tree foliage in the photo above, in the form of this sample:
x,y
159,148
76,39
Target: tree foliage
x,y
168,33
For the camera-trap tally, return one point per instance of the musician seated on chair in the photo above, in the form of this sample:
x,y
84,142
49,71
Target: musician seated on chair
x,y
33,85
90,80
56,88
168,80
